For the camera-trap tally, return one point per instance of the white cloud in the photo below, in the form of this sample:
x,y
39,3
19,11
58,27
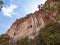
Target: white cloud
x,y
9,10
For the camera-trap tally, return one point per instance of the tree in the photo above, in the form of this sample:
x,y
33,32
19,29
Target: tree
x,y
1,4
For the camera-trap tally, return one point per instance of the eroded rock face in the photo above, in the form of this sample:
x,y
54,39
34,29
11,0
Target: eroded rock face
x,y
27,26
31,24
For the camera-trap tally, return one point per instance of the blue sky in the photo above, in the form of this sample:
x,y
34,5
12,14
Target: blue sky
x,y
14,9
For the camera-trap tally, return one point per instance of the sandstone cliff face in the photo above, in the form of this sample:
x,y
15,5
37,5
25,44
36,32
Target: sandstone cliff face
x,y
31,24
27,26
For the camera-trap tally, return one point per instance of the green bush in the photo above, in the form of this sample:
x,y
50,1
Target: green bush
x,y
51,34
58,8
58,18
48,8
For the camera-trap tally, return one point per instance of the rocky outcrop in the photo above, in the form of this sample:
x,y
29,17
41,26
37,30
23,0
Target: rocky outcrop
x,y
27,26
31,24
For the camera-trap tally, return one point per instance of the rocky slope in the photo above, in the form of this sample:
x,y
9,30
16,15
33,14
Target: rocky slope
x,y
31,24
27,26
